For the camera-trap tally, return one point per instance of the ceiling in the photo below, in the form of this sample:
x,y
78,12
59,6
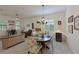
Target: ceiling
x,y
29,10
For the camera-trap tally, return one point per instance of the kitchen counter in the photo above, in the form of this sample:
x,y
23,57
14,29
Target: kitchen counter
x,y
5,37
8,41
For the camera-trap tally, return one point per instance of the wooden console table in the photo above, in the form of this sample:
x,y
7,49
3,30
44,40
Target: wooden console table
x,y
12,40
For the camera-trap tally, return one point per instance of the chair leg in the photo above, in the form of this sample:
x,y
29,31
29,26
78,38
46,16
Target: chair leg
x,y
47,47
41,50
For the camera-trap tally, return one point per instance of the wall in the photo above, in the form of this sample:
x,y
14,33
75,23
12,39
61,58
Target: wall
x,y
73,39
25,21
6,19
56,17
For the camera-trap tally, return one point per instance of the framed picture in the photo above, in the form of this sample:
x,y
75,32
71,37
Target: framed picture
x,y
76,23
70,29
59,22
70,19
32,25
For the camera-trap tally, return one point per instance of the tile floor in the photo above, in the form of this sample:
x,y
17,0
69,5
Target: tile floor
x,y
61,48
58,48
55,48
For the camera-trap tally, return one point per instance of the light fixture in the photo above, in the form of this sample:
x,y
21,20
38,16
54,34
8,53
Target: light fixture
x,y
42,11
42,20
43,17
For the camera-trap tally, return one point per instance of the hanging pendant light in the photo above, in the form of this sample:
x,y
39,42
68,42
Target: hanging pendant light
x,y
43,21
42,11
43,16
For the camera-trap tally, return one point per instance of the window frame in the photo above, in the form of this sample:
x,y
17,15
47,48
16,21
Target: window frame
x,y
17,25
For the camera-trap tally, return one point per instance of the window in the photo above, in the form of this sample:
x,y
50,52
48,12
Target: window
x,y
49,27
3,26
17,25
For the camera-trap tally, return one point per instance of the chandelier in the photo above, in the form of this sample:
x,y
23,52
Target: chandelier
x,y
42,11
43,21
43,17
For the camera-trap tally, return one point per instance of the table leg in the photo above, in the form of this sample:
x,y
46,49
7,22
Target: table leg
x,y
47,47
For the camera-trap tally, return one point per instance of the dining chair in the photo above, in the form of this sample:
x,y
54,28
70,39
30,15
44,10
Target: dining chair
x,y
32,46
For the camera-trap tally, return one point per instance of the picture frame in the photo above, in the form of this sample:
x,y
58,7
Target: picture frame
x,y
59,22
70,19
70,29
32,25
76,23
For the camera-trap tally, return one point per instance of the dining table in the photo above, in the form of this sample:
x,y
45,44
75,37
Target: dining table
x,y
43,39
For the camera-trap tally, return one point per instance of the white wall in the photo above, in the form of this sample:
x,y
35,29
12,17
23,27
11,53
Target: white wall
x,y
73,39
56,17
25,21
6,19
